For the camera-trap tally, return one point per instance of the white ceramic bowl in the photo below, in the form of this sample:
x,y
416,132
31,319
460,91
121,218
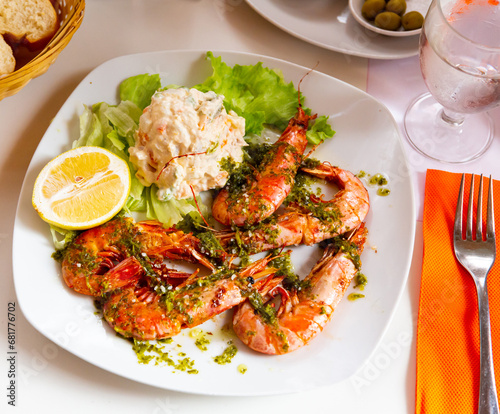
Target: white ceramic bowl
x,y
411,5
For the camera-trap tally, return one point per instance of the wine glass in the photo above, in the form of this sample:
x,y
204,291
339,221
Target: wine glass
x,y
460,63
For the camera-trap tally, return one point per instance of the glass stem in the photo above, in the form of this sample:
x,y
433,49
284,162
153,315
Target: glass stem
x,y
452,118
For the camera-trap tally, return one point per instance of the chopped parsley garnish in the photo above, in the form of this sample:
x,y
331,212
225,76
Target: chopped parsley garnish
x,y
355,296
227,355
147,352
360,281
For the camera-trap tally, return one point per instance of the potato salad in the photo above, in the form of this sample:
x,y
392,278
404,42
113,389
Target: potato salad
x,y
182,137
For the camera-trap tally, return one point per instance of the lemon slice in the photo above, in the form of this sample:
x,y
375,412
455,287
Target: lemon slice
x,y
81,188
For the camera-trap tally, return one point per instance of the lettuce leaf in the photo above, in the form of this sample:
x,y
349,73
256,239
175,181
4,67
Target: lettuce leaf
x,y
125,119
61,237
139,89
320,131
90,129
168,212
260,95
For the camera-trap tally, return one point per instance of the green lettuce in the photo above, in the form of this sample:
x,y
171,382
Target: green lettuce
x,y
61,237
139,89
320,131
168,212
91,133
261,96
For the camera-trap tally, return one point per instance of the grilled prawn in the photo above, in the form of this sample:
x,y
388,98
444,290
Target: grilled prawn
x,y
144,313
274,179
92,263
301,316
298,225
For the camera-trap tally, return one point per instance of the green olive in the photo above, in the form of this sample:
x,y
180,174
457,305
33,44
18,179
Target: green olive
x,y
371,8
412,20
388,21
396,6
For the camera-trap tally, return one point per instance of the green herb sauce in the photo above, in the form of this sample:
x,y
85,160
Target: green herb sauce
x,y
303,197
360,281
350,249
355,296
377,179
210,245
267,312
283,264
227,355
147,352
202,343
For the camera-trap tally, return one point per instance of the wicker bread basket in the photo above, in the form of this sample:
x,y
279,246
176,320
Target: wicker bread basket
x,y
70,14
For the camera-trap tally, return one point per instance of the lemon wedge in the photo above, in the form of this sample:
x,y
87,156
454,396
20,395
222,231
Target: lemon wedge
x,y
81,188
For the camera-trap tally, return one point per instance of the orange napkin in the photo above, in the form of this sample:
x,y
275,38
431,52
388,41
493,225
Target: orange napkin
x,y
448,326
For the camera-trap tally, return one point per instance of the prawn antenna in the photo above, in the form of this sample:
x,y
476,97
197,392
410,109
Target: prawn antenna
x,y
302,78
311,151
198,208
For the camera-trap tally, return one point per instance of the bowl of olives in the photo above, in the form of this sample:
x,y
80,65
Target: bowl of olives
x,y
390,17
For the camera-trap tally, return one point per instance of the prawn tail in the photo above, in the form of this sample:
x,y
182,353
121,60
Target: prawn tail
x,y
324,170
359,237
127,272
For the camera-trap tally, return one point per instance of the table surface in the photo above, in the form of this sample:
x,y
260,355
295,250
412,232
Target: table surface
x,y
48,377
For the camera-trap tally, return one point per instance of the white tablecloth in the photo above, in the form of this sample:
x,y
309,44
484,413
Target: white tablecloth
x,y
51,379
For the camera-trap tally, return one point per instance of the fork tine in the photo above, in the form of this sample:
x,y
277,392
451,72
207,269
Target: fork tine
x,y
490,220
468,230
479,209
457,230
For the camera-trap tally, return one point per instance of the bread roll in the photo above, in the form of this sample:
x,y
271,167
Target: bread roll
x,y
32,21
7,61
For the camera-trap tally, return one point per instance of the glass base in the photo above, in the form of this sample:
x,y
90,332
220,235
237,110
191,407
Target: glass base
x,y
430,135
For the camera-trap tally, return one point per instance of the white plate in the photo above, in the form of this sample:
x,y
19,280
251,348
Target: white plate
x,y
420,6
329,24
367,139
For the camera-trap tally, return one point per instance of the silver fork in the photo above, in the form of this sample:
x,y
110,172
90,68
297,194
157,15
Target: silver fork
x,y
477,256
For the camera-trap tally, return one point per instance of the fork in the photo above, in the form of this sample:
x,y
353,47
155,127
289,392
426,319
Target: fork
x,y
477,256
